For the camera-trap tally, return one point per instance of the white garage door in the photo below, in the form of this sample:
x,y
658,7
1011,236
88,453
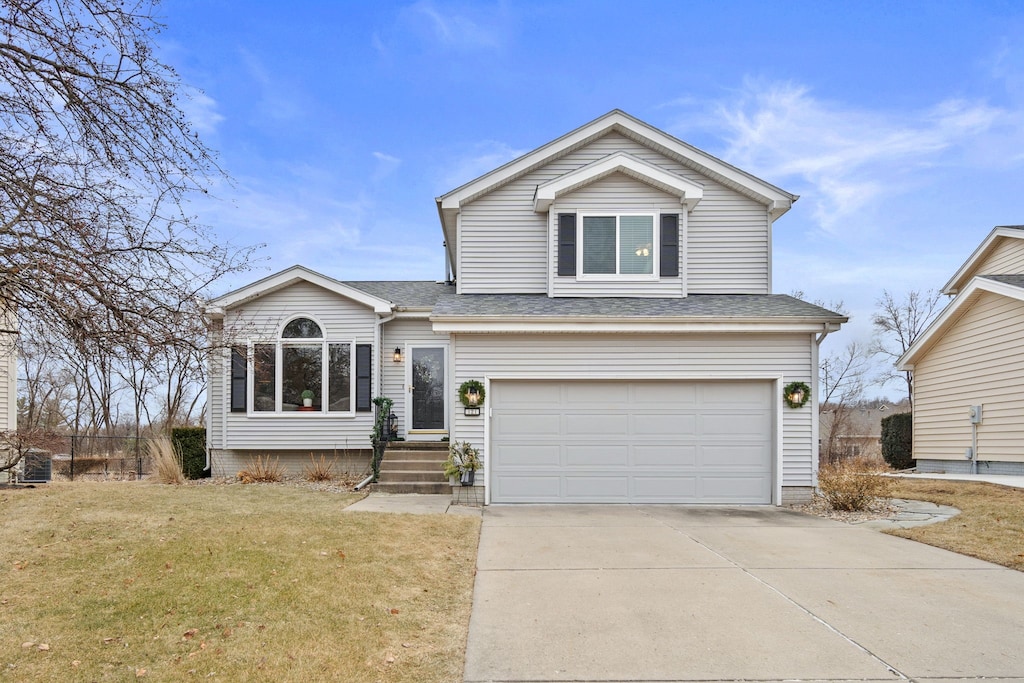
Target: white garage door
x,y
631,442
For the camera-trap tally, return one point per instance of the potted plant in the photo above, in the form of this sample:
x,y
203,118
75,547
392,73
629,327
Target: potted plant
x,y
462,463
307,398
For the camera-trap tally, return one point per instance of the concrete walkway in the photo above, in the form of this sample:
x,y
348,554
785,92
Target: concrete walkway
x,y
1001,479
411,503
665,593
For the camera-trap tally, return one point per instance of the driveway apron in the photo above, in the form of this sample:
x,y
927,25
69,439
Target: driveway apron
x,y
667,593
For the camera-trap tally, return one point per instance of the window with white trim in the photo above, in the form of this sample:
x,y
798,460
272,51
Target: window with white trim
x,y
302,364
621,245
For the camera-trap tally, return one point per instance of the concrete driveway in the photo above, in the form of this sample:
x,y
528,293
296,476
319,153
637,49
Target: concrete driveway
x,y
665,593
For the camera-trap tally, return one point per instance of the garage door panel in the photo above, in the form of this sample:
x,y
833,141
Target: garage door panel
x,y
582,425
664,489
665,426
735,425
631,441
529,455
674,456
515,425
734,489
609,488
734,457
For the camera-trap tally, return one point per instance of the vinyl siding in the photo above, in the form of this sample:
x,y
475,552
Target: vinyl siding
x,y
504,244
8,383
617,193
745,356
1006,259
342,320
399,333
976,362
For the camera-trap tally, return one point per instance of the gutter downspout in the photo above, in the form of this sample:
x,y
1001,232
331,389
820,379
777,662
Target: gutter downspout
x,y
815,419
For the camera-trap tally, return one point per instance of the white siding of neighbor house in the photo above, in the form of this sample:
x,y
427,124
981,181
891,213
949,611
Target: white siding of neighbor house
x,y
1007,258
504,244
616,193
978,361
669,356
342,320
8,384
398,333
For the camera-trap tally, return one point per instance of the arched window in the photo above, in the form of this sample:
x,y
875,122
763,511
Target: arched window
x,y
302,371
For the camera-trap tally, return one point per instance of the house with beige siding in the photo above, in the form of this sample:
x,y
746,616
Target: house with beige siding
x,y
611,292
968,370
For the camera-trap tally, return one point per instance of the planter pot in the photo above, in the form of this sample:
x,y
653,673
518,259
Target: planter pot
x,y
307,403
468,478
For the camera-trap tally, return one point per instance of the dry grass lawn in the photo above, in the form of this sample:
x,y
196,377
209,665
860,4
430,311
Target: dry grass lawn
x,y
119,581
989,527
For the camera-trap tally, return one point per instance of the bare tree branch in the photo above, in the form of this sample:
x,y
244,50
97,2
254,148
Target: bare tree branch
x,y
898,324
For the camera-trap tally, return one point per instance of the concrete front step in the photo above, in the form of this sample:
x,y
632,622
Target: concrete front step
x,y
413,487
403,465
389,476
421,456
418,446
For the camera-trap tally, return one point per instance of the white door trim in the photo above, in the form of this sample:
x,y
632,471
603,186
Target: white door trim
x,y
427,434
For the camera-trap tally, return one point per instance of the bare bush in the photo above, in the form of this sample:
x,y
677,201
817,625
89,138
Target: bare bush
x,y
853,484
262,471
166,463
319,470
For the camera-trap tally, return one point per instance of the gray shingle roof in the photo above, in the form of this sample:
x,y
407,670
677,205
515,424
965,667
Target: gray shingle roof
x,y
1015,280
405,293
694,306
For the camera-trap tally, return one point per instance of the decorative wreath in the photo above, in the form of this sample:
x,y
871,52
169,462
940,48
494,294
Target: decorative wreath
x,y
799,389
464,389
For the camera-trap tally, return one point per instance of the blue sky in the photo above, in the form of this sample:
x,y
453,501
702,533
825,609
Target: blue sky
x,y
900,124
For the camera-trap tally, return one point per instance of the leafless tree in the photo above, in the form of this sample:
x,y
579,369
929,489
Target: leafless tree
x,y
97,162
898,324
843,378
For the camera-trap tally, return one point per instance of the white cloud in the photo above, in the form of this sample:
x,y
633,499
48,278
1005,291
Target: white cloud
x,y
843,158
201,111
386,165
483,157
454,28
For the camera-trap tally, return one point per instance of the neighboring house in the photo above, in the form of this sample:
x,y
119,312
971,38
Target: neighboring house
x,y
852,431
612,292
971,356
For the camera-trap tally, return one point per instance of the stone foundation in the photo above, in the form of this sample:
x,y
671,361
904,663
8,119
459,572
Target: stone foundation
x,y
797,495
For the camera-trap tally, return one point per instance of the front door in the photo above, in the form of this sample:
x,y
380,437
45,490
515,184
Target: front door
x,y
427,383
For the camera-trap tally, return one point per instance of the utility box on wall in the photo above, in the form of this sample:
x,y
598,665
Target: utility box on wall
x,y
975,412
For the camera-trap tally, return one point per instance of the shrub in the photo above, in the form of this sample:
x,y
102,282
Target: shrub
x,y
190,443
319,470
166,464
262,471
898,440
853,484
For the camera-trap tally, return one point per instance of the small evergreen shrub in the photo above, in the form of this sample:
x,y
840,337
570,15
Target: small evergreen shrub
x,y
898,440
190,443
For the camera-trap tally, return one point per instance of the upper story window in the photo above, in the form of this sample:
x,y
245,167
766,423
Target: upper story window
x,y
302,371
618,245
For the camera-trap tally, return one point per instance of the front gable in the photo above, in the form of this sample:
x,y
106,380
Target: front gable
x,y
501,229
1000,253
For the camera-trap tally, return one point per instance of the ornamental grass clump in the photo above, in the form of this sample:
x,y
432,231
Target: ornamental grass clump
x,y
166,463
853,484
262,471
319,470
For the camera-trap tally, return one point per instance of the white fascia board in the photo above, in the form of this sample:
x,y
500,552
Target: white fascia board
x,y
291,276
632,326
689,192
951,313
984,249
777,199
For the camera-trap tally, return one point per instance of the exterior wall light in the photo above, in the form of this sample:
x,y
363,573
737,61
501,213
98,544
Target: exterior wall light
x,y
796,394
398,354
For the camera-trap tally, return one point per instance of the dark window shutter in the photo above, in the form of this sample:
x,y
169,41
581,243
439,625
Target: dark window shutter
x,y
364,368
239,367
669,245
566,244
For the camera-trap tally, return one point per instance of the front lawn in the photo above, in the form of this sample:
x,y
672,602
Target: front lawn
x,y
990,525
119,581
